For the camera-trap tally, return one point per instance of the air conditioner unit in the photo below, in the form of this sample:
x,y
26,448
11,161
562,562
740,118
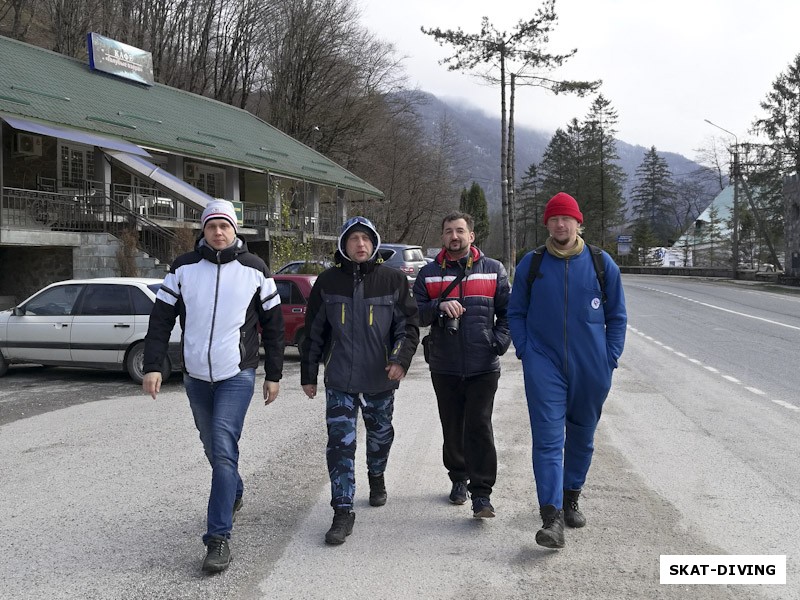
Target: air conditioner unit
x,y
28,145
189,171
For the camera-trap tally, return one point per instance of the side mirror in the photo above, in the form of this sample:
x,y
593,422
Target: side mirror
x,y
19,312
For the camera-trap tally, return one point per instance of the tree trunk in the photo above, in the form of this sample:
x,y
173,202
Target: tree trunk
x,y
503,161
512,196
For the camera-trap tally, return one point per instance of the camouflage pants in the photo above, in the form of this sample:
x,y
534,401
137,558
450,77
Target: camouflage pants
x,y
341,413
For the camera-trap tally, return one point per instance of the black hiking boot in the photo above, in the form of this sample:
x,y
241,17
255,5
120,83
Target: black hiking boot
x,y
218,555
573,517
377,490
343,520
551,535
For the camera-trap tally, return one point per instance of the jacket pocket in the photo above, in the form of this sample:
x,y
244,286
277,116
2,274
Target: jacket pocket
x,y
426,350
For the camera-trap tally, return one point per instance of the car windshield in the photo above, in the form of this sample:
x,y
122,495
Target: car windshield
x,y
154,287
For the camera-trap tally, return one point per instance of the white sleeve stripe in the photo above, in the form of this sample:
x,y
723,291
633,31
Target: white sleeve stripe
x,y
269,294
272,302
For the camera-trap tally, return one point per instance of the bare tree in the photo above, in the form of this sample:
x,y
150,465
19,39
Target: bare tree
x,y
16,17
494,51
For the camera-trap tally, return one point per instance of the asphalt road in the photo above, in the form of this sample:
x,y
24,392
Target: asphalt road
x,y
104,495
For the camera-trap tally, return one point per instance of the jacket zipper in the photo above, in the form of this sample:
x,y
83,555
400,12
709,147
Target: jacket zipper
x,y
214,316
566,310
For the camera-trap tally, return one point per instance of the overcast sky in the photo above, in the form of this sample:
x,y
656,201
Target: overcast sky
x,y
665,66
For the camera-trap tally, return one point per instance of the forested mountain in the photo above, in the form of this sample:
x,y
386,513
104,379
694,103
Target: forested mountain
x,y
477,136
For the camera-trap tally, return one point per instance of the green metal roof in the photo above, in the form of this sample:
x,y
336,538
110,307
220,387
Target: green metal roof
x,y
57,89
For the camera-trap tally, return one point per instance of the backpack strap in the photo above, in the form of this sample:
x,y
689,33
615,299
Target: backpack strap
x,y
599,269
534,271
597,260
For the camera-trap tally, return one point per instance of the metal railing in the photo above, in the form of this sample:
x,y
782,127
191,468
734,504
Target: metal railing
x,y
88,209
90,212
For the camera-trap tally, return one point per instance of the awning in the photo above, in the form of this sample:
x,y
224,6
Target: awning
x,y
73,135
188,193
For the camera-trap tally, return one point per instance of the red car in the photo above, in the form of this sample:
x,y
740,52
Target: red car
x,y
294,291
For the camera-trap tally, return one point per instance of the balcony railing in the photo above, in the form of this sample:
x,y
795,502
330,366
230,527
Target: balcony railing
x,y
144,209
91,212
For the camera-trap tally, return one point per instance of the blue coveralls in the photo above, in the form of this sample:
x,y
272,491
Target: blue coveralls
x,y
569,342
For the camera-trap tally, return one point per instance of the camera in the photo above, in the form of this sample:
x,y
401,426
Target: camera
x,y
449,323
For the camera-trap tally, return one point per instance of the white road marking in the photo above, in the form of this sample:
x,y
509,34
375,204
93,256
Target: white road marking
x,y
711,369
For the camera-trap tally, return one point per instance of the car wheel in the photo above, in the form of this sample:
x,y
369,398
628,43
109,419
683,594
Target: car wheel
x,y
3,365
134,364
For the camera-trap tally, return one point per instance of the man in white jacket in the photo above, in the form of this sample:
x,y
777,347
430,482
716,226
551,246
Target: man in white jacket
x,y
221,293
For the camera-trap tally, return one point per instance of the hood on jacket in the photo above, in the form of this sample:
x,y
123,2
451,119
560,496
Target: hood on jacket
x,y
356,224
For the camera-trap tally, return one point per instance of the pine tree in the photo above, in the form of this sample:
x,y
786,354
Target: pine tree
x,y
601,195
782,123
652,194
473,201
530,233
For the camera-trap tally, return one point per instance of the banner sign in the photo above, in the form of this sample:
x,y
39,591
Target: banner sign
x,y
116,58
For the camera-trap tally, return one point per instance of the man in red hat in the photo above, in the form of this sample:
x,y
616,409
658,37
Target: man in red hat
x,y
568,328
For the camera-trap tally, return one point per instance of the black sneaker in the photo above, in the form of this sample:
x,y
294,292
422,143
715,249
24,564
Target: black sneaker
x,y
218,555
458,495
482,508
237,506
377,490
343,521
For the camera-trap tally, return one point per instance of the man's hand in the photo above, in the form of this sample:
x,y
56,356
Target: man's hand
x,y
271,389
310,389
396,372
452,308
151,384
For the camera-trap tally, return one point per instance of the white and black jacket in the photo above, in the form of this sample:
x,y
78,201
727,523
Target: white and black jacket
x,y
220,297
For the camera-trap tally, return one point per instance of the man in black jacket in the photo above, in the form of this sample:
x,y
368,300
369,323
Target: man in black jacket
x,y
463,296
362,323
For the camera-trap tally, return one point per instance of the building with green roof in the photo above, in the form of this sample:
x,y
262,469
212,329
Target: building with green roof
x,y
85,151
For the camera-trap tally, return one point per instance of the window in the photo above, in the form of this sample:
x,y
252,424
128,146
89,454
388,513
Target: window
x,y
289,293
413,255
76,166
99,300
205,178
284,291
56,301
142,305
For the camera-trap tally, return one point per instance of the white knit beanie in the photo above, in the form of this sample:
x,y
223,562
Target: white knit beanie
x,y
220,209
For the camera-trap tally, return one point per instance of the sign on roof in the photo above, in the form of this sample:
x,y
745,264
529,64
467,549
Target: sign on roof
x,y
116,58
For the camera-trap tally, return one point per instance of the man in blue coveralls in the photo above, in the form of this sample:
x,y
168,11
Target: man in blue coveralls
x,y
568,328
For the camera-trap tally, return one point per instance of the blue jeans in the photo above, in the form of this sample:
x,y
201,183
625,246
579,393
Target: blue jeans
x,y
219,409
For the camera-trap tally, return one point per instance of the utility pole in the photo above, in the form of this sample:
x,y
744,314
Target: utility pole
x,y
736,173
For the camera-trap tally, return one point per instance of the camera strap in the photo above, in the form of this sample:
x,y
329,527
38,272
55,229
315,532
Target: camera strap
x,y
465,273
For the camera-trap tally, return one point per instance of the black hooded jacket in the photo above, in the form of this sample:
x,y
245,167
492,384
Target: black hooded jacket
x,y
359,319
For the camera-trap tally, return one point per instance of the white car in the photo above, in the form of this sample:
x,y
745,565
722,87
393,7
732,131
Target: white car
x,y
89,323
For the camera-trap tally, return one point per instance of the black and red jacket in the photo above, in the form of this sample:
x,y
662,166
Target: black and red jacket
x,y
483,335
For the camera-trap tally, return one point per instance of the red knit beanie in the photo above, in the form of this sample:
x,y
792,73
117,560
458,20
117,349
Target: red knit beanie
x,y
562,204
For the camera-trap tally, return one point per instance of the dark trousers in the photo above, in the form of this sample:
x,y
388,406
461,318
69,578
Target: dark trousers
x,y
465,410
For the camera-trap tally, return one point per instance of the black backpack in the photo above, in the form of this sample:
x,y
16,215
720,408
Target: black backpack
x,y
597,261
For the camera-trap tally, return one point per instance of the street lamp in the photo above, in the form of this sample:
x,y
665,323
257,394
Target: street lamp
x,y
736,176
